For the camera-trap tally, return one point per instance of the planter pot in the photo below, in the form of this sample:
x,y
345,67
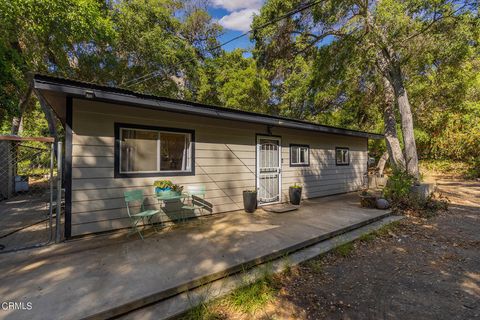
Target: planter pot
x,y
249,201
295,195
163,191
368,201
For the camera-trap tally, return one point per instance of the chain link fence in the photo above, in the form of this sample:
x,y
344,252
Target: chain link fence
x,y
28,185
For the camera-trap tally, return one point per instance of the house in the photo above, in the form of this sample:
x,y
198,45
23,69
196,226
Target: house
x,y
118,140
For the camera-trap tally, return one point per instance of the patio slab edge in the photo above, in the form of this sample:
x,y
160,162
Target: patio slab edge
x,y
124,308
179,305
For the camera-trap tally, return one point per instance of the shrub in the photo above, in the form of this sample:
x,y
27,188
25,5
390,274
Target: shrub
x,y
398,186
398,192
473,171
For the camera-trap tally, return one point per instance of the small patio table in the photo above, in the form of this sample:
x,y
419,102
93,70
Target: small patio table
x,y
162,198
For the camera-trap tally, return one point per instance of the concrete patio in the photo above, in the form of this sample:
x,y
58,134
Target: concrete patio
x,y
107,276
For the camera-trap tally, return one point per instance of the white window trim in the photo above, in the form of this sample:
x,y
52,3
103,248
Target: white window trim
x,y
297,162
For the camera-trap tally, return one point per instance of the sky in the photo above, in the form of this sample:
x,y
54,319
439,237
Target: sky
x,y
235,16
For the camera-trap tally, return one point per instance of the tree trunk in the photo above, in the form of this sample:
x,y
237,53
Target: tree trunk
x,y
390,123
381,163
22,105
404,107
51,119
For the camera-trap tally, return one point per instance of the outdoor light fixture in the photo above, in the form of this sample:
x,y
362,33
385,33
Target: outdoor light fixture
x,y
269,130
89,94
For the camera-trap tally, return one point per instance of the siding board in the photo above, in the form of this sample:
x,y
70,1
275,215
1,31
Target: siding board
x,y
224,162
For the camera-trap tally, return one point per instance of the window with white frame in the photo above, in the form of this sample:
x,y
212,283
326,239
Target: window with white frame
x,y
154,151
342,156
299,155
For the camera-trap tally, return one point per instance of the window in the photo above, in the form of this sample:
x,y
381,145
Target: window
x,y
299,155
142,151
342,156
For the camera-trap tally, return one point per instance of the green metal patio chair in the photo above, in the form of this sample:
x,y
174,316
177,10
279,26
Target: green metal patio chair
x,y
145,216
198,191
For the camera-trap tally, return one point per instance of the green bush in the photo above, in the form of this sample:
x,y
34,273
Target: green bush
x,y
398,192
473,171
398,186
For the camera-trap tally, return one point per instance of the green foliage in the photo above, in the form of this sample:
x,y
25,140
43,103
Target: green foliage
x,y
202,311
318,65
341,41
163,184
315,265
344,250
468,170
177,188
474,170
398,192
398,186
234,81
253,297
367,237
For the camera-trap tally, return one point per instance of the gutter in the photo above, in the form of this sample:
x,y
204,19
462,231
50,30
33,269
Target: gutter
x,y
185,108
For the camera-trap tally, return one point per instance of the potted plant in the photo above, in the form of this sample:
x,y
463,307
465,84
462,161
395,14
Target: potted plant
x,y
162,186
250,200
367,200
176,189
295,193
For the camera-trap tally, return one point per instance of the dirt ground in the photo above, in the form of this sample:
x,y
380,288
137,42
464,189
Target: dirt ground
x,y
418,269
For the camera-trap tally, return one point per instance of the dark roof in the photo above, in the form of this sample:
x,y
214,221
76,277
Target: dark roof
x,y
93,91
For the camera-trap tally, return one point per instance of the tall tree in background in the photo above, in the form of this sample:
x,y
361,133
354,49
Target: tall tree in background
x,y
102,42
43,36
384,35
234,81
159,48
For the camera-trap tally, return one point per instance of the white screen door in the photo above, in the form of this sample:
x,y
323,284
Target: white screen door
x,y
269,167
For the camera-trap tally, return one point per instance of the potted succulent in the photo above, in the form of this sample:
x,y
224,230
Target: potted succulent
x,y
250,200
163,186
295,193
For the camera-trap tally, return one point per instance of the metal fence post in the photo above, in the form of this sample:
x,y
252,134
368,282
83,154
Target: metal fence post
x,y
50,209
58,221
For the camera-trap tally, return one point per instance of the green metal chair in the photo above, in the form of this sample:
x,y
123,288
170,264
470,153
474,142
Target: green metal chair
x,y
192,192
145,216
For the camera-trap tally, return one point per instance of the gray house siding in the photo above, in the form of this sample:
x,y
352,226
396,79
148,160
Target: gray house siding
x,y
224,162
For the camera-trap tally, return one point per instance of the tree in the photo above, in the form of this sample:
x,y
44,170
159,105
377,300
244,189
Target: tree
x,y
382,34
161,44
43,36
234,81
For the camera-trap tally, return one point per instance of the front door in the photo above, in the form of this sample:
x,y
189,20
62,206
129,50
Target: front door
x,y
269,168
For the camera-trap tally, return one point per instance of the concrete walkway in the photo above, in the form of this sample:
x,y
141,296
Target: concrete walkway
x,y
103,277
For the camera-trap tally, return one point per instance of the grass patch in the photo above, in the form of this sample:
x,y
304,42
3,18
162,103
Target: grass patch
x,y
203,311
253,297
247,299
386,229
367,237
344,249
315,265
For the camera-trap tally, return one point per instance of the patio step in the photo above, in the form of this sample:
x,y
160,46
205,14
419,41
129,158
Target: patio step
x,y
175,301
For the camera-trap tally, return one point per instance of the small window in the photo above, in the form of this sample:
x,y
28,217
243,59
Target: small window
x,y
342,156
299,155
149,151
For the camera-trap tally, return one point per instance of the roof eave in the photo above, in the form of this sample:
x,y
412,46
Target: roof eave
x,y
184,107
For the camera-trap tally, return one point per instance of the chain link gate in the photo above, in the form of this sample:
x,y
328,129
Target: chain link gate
x,y
28,192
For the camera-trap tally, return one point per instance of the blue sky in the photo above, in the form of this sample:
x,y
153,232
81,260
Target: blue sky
x,y
235,16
